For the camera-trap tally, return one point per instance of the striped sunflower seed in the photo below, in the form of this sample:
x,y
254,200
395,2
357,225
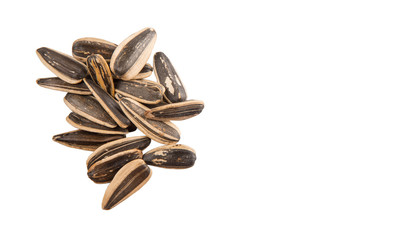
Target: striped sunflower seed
x,y
56,83
100,72
167,76
142,90
89,107
161,131
62,65
108,103
84,47
117,146
129,179
103,171
85,124
132,54
84,140
171,156
145,72
176,111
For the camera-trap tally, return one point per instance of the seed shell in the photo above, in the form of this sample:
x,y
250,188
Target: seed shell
x,y
118,146
85,124
56,83
176,111
129,179
108,103
142,90
84,140
171,156
100,72
145,72
104,170
89,107
62,65
132,54
84,47
167,76
161,131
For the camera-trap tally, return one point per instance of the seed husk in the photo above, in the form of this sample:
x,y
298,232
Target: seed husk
x,y
118,146
167,76
56,83
100,72
146,72
176,111
171,156
161,131
85,124
151,106
64,66
144,91
108,103
132,54
84,140
129,179
84,47
104,170
89,107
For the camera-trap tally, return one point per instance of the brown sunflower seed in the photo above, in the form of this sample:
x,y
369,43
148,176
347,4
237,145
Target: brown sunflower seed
x,y
85,124
104,170
167,76
62,65
129,179
84,140
100,72
176,111
145,72
89,107
108,103
84,47
171,156
118,146
161,131
132,54
142,90
56,83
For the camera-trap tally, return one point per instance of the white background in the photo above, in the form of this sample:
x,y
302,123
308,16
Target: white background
x,y
297,139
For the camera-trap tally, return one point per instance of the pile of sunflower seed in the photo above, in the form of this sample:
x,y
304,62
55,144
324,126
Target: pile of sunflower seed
x,y
109,97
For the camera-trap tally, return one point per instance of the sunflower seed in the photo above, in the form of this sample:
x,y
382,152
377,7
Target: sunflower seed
x,y
84,47
171,156
161,131
104,170
142,90
176,111
132,54
151,106
89,107
129,179
56,83
84,140
117,146
108,103
167,76
100,72
145,72
62,65
85,124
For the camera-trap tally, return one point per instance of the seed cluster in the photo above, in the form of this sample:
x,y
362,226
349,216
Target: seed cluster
x,y
109,97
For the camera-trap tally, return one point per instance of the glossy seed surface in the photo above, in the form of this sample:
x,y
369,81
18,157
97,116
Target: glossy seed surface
x,y
56,83
104,170
176,111
64,66
171,156
142,90
100,72
84,47
90,108
161,131
129,179
167,76
84,140
132,54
